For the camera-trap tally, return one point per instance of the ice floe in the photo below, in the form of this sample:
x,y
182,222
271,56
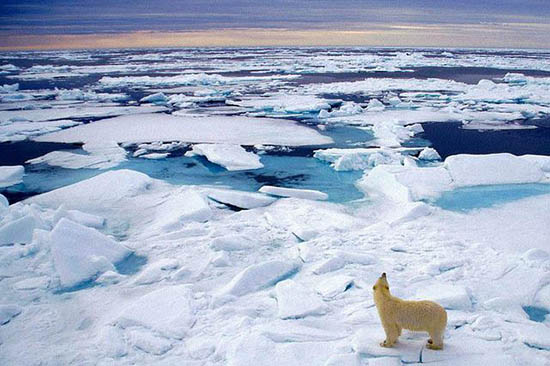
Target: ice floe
x,y
162,127
231,157
10,175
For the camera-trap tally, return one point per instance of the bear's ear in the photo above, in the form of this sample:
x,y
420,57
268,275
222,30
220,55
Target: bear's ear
x,y
374,287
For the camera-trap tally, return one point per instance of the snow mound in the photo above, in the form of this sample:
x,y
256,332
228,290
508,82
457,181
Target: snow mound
x,y
11,175
296,301
259,276
231,242
231,157
244,200
163,127
307,194
449,296
169,311
80,253
367,342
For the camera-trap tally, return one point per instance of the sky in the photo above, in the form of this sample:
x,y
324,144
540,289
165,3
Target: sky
x,y
135,23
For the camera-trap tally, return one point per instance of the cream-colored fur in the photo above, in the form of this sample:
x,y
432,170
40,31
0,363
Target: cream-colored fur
x,y
397,314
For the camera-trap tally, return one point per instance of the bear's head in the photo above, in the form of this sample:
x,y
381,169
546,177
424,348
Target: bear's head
x,y
381,287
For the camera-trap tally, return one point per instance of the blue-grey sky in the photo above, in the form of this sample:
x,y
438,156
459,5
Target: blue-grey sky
x,y
20,18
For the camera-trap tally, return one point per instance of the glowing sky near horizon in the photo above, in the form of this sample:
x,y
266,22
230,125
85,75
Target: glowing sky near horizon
x,y
503,23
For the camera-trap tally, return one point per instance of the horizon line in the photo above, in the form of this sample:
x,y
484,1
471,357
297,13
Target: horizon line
x,y
503,36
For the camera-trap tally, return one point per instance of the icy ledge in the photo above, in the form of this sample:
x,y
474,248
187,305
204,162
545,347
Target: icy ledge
x,y
11,175
410,183
231,157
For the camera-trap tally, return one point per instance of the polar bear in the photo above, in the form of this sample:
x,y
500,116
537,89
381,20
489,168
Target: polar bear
x,y
396,314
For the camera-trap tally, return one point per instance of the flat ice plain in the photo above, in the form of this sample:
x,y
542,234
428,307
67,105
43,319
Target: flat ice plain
x,y
235,206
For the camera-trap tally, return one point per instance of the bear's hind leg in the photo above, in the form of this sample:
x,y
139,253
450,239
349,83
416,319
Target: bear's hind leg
x,y
436,340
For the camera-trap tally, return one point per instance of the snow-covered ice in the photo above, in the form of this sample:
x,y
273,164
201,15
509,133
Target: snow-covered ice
x,y
231,157
10,175
163,127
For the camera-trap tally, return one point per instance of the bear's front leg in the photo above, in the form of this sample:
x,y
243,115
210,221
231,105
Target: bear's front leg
x,y
392,333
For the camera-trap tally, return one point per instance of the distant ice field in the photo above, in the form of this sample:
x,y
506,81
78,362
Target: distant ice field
x,y
235,206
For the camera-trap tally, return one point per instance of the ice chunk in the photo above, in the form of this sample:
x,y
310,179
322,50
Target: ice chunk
x,y
231,242
11,175
98,192
182,207
32,283
155,156
157,271
103,155
452,297
429,154
471,170
21,130
169,311
4,203
333,286
231,157
330,265
80,253
283,103
308,194
8,312
359,158
79,111
245,200
405,184
537,336
19,230
261,275
236,130
157,98
83,218
296,301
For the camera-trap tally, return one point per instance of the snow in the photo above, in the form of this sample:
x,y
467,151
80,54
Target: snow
x,y
81,253
307,194
259,276
21,130
11,175
297,301
449,296
231,157
163,127
8,312
216,274
168,311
